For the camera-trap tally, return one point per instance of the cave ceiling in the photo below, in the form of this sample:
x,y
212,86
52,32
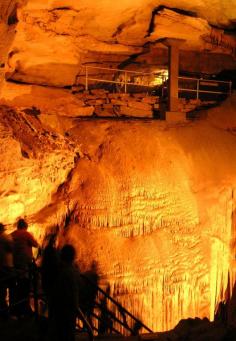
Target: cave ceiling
x,y
48,42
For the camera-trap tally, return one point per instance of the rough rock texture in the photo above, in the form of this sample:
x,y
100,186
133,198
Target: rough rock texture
x,y
158,202
7,33
153,204
57,106
50,101
55,39
34,162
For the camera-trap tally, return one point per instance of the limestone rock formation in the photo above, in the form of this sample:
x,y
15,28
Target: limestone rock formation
x,y
34,162
48,43
154,205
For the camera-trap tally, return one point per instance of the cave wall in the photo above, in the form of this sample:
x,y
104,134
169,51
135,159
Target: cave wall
x,y
34,162
190,61
8,11
48,43
152,204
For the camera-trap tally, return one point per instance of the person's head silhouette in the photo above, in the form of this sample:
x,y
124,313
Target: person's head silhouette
x,y
22,224
67,254
2,227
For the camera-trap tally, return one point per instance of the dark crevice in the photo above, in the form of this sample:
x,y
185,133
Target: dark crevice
x,y
16,81
122,26
67,87
10,80
177,10
33,111
229,29
65,8
160,9
232,28
24,154
12,19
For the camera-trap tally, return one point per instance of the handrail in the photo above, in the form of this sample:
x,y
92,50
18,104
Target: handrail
x,y
121,308
120,70
120,82
86,323
125,82
99,318
32,273
203,91
35,294
204,80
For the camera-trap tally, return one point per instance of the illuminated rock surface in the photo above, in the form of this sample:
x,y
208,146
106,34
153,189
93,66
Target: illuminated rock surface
x,y
152,203
49,42
34,162
157,202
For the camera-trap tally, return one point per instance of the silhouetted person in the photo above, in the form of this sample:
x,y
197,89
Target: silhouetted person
x,y
6,270
23,242
88,291
65,298
49,269
49,265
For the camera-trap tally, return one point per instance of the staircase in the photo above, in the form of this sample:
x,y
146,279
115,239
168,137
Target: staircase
x,y
108,318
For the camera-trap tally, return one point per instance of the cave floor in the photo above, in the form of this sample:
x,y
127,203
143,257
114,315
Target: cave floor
x,y
29,329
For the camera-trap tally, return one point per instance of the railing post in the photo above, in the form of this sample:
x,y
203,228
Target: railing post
x,y
86,78
34,279
230,88
163,90
125,82
198,85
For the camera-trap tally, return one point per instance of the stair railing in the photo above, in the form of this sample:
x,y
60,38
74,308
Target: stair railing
x,y
126,315
123,323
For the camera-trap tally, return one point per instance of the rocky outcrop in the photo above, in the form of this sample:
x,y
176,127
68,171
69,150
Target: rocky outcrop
x,y
48,100
34,162
153,204
53,41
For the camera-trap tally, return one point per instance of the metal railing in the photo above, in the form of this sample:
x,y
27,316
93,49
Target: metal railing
x,y
125,78
35,295
205,86
11,280
122,321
